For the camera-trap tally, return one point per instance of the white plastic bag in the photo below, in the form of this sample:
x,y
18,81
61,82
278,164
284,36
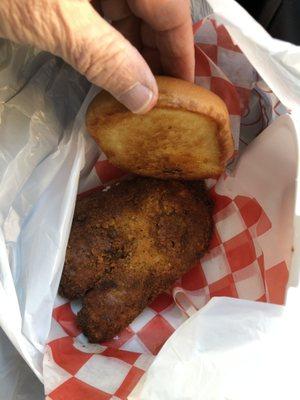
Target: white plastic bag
x,y
41,157
231,349
40,97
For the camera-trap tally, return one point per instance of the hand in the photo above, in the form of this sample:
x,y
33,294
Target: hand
x,y
159,33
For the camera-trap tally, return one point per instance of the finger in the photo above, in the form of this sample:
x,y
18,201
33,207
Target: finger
x,y
176,54
130,29
108,60
97,5
152,57
121,17
149,50
172,23
148,35
115,10
89,44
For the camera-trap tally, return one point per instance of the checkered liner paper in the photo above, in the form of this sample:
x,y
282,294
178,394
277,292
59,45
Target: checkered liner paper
x,y
235,265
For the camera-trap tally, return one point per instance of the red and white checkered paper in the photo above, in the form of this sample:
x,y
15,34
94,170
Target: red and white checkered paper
x,y
235,266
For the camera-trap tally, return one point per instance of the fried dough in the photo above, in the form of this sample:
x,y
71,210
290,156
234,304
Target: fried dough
x,y
185,136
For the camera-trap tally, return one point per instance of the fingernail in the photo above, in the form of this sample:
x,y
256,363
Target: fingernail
x,y
137,98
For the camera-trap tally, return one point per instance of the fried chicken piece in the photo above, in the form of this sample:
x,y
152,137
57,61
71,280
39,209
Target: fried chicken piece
x,y
129,244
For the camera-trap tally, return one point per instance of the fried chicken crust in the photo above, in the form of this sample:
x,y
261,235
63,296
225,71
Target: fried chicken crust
x,y
130,243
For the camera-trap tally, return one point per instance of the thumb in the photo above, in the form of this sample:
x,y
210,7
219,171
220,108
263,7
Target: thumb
x,y
107,59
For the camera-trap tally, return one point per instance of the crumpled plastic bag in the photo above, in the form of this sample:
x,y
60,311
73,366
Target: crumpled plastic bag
x,y
43,154
40,97
231,349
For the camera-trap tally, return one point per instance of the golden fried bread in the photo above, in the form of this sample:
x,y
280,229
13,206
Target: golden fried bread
x,y
130,243
185,136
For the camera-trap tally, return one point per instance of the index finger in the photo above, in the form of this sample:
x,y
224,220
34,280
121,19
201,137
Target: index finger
x,y
172,24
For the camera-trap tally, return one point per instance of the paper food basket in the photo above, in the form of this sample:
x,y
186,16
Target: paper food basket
x,y
197,341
